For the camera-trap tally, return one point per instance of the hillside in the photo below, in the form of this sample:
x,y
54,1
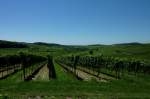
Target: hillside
x,y
47,44
10,44
128,50
87,80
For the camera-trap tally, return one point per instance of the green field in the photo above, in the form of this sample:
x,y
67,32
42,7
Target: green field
x,y
67,86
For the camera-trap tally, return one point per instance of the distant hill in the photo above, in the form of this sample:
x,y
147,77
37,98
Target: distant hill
x,y
47,44
10,44
133,43
97,45
123,44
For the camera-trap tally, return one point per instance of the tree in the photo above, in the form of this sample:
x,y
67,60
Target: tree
x,y
91,52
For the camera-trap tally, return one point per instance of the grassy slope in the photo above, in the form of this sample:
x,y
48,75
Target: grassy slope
x,y
129,87
141,52
128,51
62,75
38,50
133,87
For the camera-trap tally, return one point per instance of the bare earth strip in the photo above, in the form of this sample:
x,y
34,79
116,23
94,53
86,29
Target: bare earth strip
x,y
43,74
85,76
100,75
9,71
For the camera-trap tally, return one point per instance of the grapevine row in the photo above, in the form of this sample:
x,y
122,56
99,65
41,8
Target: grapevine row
x,y
26,62
111,65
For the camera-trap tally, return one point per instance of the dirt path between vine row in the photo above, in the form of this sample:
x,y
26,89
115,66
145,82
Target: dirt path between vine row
x,y
85,76
88,77
43,74
5,73
100,75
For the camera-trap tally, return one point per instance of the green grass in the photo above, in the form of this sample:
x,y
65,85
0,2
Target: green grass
x,y
17,77
133,87
129,88
135,51
63,75
33,49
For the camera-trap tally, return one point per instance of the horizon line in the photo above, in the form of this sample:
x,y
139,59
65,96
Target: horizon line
x,y
74,44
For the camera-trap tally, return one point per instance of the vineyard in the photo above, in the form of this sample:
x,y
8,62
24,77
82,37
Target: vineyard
x,y
75,74
74,49
28,65
104,68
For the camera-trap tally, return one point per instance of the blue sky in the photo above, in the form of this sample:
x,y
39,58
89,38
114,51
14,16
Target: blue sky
x,y
75,21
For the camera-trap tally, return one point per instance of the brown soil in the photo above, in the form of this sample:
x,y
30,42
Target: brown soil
x,y
43,74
